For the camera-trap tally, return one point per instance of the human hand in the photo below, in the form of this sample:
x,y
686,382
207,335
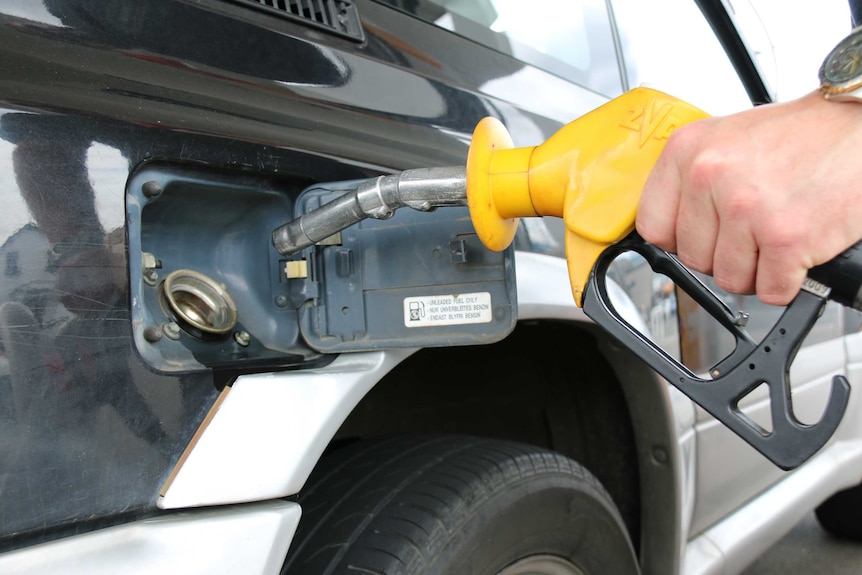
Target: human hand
x,y
758,198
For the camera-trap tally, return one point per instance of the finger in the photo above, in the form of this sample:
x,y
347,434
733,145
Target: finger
x,y
697,224
734,265
659,204
779,276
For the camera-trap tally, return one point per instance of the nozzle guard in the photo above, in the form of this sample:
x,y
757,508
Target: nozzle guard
x,y
495,231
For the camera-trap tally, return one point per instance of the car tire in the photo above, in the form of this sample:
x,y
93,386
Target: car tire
x,y
435,505
840,514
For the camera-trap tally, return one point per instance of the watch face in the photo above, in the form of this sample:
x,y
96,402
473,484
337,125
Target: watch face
x,y
842,69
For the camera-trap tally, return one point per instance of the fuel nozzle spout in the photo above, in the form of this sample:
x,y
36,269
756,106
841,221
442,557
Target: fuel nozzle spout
x,y
422,189
590,173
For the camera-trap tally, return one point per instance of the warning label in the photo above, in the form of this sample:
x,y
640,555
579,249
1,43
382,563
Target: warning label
x,y
447,309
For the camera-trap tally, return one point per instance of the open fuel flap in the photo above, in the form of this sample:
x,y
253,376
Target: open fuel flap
x,y
417,279
209,289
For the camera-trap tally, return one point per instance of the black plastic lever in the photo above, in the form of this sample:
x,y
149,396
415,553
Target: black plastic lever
x,y
789,443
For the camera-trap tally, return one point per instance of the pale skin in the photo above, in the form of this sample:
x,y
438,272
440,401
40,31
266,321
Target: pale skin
x,y
758,198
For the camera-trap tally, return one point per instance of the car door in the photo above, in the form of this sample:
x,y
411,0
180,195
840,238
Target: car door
x,y
684,56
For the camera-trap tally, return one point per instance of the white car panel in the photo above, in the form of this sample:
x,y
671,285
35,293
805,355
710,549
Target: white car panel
x,y
738,539
271,429
189,543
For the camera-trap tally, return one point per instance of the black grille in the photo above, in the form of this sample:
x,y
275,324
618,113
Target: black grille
x,y
336,16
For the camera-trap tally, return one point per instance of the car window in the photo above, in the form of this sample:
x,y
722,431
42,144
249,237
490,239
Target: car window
x,y
669,45
569,38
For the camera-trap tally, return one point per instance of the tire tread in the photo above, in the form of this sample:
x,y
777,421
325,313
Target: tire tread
x,y
409,494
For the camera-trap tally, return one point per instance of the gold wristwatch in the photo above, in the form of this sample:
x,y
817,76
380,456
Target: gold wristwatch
x,y
841,72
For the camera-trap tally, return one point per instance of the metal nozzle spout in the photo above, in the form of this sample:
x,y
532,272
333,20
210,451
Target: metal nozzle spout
x,y
421,189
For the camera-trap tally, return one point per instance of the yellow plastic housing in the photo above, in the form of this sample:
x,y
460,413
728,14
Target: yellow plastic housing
x,y
590,173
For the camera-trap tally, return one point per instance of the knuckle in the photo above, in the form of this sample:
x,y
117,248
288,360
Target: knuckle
x,y
733,282
781,240
741,203
706,169
694,261
687,136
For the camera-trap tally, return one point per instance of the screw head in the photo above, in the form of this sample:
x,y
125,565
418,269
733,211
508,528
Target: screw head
x,y
153,333
659,455
172,330
151,189
243,338
151,277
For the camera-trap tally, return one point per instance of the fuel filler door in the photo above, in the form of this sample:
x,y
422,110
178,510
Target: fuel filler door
x,y
209,290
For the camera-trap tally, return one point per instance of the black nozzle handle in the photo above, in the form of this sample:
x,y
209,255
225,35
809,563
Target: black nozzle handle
x,y
789,443
843,276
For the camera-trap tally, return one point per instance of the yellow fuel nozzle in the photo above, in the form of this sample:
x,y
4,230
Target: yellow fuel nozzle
x,y
590,173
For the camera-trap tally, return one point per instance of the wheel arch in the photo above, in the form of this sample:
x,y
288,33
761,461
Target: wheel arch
x,y
613,416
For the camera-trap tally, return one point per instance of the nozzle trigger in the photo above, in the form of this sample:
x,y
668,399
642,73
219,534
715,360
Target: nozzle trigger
x,y
789,443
